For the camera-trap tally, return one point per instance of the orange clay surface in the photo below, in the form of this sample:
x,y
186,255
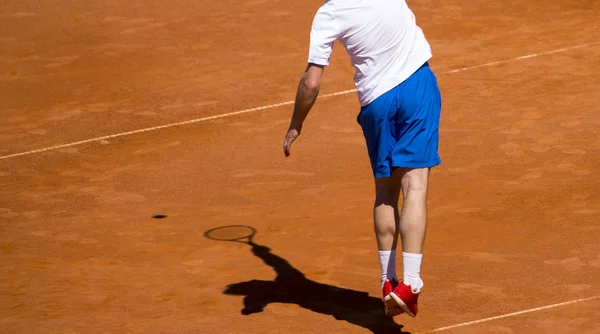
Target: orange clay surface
x,y
514,208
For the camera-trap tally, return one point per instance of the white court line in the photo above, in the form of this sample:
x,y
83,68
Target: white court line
x,y
270,106
533,55
469,323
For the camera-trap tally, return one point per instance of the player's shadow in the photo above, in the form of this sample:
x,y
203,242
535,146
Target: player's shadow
x,y
291,286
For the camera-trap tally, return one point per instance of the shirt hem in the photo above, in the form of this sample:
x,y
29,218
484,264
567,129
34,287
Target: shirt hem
x,y
387,86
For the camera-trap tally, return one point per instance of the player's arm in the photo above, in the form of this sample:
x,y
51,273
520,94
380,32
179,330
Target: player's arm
x,y
323,34
306,95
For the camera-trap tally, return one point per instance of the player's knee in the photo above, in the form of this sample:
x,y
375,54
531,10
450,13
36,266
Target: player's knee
x,y
415,182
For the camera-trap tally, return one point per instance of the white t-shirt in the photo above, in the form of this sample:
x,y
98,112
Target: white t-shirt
x,y
381,36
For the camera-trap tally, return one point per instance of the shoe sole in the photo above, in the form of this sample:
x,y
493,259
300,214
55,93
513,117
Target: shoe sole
x,y
393,301
392,311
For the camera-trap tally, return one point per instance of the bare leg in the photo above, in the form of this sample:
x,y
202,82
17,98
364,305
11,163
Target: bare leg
x,y
386,219
413,219
410,224
385,212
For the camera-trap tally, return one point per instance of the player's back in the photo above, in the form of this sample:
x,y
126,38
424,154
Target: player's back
x,y
383,40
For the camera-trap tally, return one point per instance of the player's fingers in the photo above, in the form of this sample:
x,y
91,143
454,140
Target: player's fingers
x,y
287,145
286,150
290,137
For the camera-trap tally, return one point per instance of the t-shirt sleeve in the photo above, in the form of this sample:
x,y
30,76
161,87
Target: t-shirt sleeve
x,y
322,35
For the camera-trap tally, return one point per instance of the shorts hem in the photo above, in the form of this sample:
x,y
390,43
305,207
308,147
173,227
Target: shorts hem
x,y
428,164
388,173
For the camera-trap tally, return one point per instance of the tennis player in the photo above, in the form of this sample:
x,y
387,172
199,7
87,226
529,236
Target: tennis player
x,y
400,112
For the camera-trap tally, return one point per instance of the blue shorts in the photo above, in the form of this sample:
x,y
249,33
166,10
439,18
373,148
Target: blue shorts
x,y
401,127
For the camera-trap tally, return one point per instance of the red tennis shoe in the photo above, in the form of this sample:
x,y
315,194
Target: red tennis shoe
x,y
402,297
388,287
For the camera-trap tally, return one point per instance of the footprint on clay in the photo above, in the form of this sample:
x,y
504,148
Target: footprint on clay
x,y
29,57
15,119
205,103
24,14
281,13
312,191
511,131
39,132
41,233
467,210
486,290
488,257
511,149
469,168
63,114
482,256
121,198
570,124
540,148
144,28
39,264
531,115
115,49
62,61
194,266
586,212
526,123
533,175
89,241
113,18
580,196
201,46
576,288
255,3
140,20
572,263
33,214
66,237
285,310
444,209
574,151
505,114
568,168
8,213
100,263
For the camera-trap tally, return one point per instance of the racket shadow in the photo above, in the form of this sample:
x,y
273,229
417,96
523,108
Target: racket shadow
x,y
291,286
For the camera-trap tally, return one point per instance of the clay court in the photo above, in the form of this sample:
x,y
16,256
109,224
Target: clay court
x,y
129,129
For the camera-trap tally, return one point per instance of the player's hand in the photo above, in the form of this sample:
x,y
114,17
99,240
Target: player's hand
x,y
290,137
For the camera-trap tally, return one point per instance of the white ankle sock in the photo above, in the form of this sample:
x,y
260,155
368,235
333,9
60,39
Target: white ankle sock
x,y
387,261
412,269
